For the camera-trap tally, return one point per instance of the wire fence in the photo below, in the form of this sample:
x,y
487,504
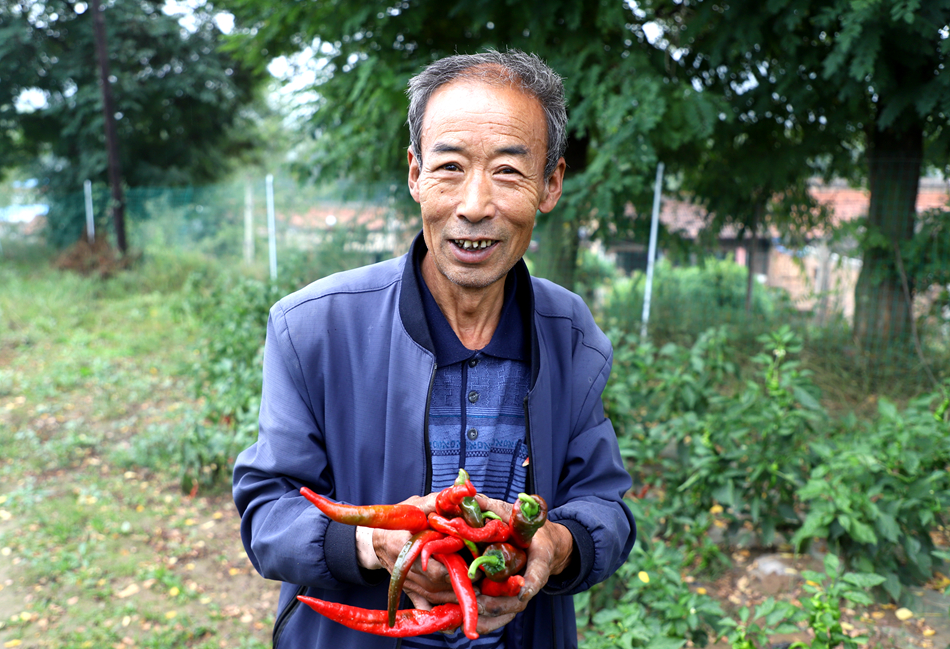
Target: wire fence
x,y
699,282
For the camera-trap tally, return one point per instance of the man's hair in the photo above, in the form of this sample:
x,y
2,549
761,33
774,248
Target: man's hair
x,y
526,71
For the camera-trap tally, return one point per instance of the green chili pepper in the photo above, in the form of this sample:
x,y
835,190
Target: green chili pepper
x,y
410,551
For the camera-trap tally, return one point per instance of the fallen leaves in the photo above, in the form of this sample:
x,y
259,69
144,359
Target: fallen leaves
x,y
128,591
903,614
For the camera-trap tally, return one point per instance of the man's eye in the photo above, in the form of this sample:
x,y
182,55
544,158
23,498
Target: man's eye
x,y
508,170
451,166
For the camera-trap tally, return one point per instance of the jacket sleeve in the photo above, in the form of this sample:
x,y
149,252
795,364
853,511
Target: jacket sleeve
x,y
287,538
589,499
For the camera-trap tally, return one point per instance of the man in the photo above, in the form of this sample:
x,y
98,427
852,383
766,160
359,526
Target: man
x,y
380,383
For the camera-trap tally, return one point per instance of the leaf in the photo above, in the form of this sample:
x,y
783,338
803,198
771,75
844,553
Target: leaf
x,y
832,564
663,642
863,579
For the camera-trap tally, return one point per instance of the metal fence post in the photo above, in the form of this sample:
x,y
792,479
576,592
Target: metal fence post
x,y
651,252
90,216
271,228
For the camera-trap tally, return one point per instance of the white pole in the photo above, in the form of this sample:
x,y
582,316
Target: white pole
x,y
651,252
90,217
248,223
271,227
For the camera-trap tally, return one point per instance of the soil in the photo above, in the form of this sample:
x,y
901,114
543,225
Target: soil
x,y
755,576
96,258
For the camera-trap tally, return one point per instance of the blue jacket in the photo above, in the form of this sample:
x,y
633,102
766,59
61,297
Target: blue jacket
x,y
348,367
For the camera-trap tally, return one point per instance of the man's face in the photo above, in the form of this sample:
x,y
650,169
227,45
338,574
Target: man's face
x,y
481,180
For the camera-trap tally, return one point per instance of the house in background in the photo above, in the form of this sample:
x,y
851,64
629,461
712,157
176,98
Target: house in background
x,y
814,276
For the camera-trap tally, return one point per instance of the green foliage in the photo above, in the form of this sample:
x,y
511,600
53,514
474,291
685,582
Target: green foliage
x,y
233,312
878,490
646,603
182,104
706,441
687,300
823,609
747,633
821,612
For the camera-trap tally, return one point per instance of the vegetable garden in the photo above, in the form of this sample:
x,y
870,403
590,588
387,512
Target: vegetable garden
x,y
123,402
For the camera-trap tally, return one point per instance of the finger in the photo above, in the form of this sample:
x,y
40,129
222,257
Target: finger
x,y
388,544
487,624
419,602
499,507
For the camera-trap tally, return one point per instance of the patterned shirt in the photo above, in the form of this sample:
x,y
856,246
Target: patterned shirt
x,y
477,420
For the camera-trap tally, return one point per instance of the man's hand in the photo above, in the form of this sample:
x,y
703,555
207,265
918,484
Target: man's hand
x,y
379,549
549,554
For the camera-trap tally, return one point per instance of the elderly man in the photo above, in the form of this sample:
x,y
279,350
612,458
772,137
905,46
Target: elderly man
x,y
380,383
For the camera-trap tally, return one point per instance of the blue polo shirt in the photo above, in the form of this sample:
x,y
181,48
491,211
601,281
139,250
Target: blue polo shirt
x,y
477,417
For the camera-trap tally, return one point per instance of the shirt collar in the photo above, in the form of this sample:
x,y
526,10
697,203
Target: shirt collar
x,y
508,341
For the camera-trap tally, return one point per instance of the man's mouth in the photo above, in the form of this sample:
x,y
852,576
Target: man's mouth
x,y
479,244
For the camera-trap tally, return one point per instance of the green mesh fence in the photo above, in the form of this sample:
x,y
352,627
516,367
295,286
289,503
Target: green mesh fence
x,y
857,324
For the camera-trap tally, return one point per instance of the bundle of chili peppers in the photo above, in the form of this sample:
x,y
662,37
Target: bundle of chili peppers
x,y
497,549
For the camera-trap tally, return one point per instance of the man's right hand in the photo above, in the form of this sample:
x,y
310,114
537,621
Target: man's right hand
x,y
425,589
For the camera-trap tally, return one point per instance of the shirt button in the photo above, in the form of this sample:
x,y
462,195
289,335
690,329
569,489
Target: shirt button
x,y
472,396
473,362
472,434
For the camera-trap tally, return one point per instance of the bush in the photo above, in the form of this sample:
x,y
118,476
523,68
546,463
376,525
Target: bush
x,y
686,301
766,461
233,311
878,490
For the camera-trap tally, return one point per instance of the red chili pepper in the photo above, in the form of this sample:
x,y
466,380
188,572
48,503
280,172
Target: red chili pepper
x,y
448,501
462,585
494,531
510,587
446,545
499,561
386,517
409,622
410,551
528,514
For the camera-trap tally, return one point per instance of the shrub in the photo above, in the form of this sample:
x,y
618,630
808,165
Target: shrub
x,y
878,490
688,300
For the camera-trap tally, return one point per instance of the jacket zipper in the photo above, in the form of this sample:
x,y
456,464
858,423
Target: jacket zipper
x,y
529,476
425,432
530,481
284,617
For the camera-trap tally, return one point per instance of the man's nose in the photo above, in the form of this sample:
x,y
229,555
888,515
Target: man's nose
x,y
476,200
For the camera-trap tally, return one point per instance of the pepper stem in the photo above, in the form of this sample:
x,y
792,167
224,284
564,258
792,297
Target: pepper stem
x,y
529,506
491,515
496,562
462,479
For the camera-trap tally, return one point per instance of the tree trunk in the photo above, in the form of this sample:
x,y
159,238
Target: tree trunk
x,y
560,242
757,210
112,140
882,312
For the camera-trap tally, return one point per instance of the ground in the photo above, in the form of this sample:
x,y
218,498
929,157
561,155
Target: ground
x,y
98,545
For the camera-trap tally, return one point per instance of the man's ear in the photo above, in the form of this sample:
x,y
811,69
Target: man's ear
x,y
413,175
553,186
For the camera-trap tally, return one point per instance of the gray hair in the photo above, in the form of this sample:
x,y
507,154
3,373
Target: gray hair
x,y
527,71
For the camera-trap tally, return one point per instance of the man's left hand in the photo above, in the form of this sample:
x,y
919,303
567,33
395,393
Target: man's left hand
x,y
549,554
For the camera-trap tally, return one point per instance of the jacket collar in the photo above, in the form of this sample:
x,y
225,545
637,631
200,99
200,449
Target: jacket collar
x,y
412,313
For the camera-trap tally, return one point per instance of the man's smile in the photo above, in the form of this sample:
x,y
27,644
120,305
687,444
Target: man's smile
x,y
477,244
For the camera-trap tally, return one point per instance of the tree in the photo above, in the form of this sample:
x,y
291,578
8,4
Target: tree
x,y
623,113
181,103
851,82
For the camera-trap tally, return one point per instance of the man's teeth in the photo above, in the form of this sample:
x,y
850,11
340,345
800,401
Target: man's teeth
x,y
473,245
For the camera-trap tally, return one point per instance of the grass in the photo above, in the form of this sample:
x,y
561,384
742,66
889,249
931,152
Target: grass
x,y
99,547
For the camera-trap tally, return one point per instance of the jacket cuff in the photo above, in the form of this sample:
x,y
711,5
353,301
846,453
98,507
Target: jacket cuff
x,y
582,560
339,548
